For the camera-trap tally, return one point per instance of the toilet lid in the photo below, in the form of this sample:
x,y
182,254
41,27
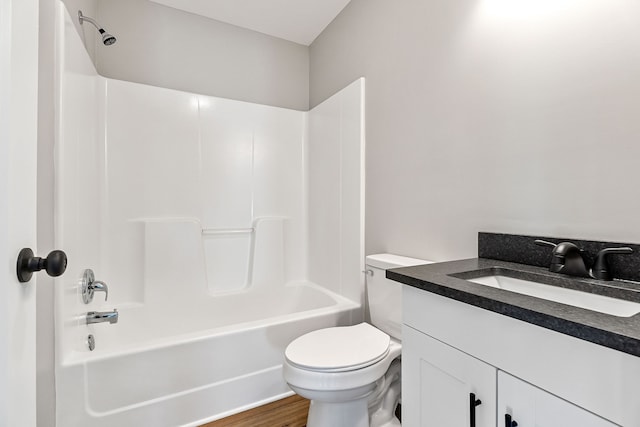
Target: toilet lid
x,y
339,349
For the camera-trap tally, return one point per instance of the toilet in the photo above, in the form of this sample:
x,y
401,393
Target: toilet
x,y
351,374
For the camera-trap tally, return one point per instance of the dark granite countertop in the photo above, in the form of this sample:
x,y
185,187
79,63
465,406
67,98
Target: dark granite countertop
x,y
448,279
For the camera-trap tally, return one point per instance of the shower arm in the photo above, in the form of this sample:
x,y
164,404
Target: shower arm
x,y
92,21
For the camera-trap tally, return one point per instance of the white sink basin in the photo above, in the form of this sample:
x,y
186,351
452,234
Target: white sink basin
x,y
594,302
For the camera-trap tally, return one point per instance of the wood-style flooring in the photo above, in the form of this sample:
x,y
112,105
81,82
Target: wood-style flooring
x,y
289,412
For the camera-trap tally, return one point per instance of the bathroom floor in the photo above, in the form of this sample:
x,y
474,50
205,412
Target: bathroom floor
x,y
289,412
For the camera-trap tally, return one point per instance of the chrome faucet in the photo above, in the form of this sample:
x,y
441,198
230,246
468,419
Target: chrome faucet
x,y
102,316
567,258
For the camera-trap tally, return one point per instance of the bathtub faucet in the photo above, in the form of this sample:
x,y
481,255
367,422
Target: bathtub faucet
x,y
102,316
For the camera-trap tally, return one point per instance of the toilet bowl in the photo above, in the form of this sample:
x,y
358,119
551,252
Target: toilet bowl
x,y
351,374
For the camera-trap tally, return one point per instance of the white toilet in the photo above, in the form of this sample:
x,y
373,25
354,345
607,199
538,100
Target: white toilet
x,y
351,374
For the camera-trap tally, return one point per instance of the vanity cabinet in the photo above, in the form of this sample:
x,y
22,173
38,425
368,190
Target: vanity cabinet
x,y
541,378
530,406
445,387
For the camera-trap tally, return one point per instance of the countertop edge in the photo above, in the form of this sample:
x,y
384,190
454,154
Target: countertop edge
x,y
596,335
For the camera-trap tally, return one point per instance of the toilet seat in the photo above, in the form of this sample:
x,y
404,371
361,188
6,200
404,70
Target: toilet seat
x,y
339,349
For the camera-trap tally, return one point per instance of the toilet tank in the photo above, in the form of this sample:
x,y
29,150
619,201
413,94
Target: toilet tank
x,y
385,296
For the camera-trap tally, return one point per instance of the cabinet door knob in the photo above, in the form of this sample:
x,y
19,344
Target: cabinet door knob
x,y
509,422
473,402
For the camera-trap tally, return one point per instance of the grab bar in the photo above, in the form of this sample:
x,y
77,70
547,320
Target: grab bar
x,y
222,231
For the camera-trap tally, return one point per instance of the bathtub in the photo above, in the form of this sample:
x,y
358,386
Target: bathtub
x,y
167,367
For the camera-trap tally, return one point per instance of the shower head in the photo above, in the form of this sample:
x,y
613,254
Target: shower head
x,y
107,39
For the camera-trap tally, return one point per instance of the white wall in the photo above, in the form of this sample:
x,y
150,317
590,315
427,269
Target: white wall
x,y
495,115
165,47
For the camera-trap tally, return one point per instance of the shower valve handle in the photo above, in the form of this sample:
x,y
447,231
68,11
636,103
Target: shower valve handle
x,y
90,286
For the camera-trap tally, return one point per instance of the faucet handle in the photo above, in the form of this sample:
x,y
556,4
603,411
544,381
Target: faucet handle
x,y
600,269
622,250
544,243
560,250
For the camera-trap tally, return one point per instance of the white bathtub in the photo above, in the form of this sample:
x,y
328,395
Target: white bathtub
x,y
184,368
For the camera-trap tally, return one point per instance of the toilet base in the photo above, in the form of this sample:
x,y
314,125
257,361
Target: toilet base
x,y
383,402
345,408
352,414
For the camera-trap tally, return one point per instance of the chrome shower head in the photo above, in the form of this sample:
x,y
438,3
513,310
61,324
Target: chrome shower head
x,y
107,39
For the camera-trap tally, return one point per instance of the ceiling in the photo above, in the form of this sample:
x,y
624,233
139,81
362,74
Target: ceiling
x,y
299,21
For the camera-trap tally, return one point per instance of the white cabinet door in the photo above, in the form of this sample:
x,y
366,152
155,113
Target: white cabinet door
x,y
530,406
439,383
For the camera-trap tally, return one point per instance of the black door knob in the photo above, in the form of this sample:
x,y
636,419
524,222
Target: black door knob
x,y
55,264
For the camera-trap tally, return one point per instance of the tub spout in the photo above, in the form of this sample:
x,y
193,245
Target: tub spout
x,y
102,316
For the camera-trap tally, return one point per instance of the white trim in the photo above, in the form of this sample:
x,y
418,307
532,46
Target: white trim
x,y
18,145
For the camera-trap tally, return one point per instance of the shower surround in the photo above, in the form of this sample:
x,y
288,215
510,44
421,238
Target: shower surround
x,y
223,229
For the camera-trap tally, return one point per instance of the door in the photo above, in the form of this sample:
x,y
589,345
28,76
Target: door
x,y
520,403
18,134
444,387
